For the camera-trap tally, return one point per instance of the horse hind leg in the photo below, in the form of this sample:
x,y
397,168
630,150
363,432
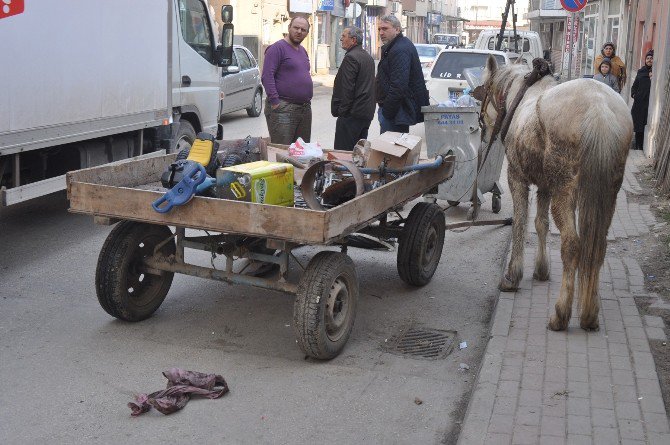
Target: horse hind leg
x,y
519,191
541,272
563,211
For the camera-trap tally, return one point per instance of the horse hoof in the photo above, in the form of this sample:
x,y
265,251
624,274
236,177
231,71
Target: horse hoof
x,y
590,326
556,324
506,285
541,274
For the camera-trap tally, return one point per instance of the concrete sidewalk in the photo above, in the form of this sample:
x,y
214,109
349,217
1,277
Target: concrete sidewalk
x,y
536,386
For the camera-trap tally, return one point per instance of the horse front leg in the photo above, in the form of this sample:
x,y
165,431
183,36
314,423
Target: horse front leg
x,y
563,211
542,227
519,190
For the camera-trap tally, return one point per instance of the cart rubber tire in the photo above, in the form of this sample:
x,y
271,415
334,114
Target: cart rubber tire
x,y
496,203
185,136
124,291
453,203
256,104
420,244
325,305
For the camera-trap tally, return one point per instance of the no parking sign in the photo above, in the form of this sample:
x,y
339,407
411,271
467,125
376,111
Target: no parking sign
x,y
10,7
573,5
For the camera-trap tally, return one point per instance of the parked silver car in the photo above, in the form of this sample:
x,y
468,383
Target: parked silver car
x,y
240,83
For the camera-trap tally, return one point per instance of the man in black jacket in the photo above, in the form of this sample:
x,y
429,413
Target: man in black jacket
x,y
353,101
401,90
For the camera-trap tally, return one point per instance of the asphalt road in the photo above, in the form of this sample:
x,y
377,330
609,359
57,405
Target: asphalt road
x,y
69,369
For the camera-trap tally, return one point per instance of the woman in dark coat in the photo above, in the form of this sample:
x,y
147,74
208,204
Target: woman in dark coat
x,y
640,94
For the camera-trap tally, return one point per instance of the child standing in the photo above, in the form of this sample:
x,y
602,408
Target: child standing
x,y
605,76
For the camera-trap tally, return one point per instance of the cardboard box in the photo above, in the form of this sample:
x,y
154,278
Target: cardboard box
x,y
400,149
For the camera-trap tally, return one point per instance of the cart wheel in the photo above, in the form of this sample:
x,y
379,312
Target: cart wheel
x,y
453,203
420,244
325,305
496,203
124,290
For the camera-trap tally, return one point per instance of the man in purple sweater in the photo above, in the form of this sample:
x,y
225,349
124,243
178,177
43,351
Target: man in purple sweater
x,y
288,85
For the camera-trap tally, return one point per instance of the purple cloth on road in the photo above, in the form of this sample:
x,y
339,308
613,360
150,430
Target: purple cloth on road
x,y
181,385
286,74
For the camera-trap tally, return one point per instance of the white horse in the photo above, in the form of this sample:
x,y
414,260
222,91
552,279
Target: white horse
x,y
571,140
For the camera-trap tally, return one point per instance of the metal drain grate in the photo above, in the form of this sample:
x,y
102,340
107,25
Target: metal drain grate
x,y
430,344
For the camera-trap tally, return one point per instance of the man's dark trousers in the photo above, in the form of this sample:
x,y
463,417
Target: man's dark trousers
x,y
387,125
348,130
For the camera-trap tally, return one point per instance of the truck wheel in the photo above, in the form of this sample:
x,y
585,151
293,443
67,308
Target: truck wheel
x,y
185,137
256,105
420,244
496,203
124,290
325,305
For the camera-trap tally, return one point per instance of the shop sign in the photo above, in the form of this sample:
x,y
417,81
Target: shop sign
x,y
304,6
325,5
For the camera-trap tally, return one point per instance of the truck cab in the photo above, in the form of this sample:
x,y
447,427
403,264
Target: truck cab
x,y
528,43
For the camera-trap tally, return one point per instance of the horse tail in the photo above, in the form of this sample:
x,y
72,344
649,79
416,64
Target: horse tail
x,y
604,147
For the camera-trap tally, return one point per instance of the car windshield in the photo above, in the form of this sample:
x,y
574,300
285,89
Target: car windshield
x,y
450,65
426,51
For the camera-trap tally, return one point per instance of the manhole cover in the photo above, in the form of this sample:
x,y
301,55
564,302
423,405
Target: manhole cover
x,y
430,344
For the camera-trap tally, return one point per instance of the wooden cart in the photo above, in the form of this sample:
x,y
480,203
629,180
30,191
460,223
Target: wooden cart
x,y
141,254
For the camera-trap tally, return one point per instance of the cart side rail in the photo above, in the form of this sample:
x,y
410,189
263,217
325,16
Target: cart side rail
x,y
227,216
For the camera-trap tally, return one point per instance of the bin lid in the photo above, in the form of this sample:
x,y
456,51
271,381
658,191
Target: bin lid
x,y
474,76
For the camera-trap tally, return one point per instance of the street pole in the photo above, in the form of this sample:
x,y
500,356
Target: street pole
x,y
572,43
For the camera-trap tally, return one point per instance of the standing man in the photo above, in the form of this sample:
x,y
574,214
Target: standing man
x,y
353,102
288,85
401,90
618,67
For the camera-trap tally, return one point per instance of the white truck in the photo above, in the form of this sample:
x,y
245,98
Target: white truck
x,y
86,83
528,43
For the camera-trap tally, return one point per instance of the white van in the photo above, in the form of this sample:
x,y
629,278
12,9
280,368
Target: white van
x,y
446,80
528,43
446,40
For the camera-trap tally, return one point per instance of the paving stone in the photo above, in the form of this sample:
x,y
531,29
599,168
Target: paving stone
x,y
603,417
605,435
528,415
618,350
648,387
658,438
627,410
578,390
579,424
552,426
623,377
498,439
602,399
652,404
631,429
501,423
504,405
656,334
530,397
624,393
654,321
577,374
552,440
525,435
579,439
656,423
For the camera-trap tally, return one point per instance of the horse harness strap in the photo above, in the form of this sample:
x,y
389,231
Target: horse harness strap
x,y
504,115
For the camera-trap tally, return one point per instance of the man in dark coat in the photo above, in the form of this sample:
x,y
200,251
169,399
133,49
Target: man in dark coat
x,y
353,102
401,89
640,94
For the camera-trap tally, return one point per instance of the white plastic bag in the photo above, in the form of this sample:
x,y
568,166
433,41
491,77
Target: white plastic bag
x,y
466,100
305,150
